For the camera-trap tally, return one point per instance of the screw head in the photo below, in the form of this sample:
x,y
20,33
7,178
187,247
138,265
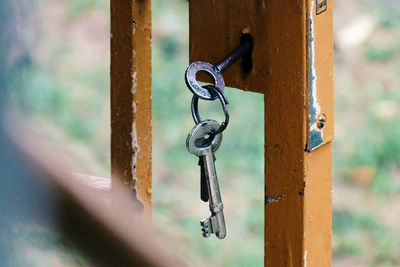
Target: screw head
x,y
321,121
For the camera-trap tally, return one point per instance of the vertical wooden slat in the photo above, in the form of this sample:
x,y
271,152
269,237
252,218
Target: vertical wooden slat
x,y
292,55
131,97
285,132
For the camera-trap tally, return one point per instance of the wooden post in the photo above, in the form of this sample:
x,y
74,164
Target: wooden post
x,y
131,98
293,67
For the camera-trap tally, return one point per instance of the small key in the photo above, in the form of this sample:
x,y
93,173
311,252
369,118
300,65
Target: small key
x,y
202,143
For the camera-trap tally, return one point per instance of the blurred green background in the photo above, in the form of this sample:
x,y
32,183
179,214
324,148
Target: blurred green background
x,y
61,86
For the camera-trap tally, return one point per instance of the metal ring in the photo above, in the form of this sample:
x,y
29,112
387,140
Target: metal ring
x,y
221,97
193,85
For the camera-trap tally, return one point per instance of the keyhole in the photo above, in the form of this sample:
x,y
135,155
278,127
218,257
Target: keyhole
x,y
247,60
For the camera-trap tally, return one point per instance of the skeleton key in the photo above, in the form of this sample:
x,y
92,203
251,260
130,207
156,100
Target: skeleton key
x,y
203,180
202,143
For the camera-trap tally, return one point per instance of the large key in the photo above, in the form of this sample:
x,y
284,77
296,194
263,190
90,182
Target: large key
x,y
202,143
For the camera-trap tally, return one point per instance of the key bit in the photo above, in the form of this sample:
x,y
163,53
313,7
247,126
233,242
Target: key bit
x,y
210,226
206,227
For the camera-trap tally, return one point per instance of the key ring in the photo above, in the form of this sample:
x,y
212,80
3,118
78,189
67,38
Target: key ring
x,y
193,85
224,102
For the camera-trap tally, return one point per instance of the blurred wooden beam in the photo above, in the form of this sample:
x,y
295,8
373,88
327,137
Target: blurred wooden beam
x,y
100,222
131,139
293,66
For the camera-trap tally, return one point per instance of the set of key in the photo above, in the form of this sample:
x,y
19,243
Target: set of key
x,y
202,142
206,136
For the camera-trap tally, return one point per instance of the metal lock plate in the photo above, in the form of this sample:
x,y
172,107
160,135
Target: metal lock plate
x,y
320,80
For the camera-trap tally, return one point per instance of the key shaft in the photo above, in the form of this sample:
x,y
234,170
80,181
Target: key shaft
x,y
215,201
244,48
203,181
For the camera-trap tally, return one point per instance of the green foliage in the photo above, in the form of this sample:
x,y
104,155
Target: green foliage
x,y
42,93
352,229
349,246
388,11
379,145
380,54
77,8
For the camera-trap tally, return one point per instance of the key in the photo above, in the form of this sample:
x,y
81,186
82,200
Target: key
x,y
203,181
202,143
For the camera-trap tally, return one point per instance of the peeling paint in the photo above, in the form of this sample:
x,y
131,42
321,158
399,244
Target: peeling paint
x,y
131,102
269,199
135,143
315,134
314,105
135,151
305,258
134,82
134,107
137,203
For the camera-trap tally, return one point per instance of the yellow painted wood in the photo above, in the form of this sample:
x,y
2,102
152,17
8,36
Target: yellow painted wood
x,y
131,97
287,64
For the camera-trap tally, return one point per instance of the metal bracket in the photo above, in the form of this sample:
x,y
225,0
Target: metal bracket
x,y
320,131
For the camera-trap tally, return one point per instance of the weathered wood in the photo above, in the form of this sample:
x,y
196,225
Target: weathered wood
x,y
131,96
292,55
